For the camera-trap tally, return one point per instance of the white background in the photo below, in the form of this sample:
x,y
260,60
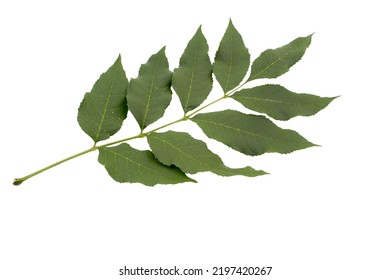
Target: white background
x,y
323,213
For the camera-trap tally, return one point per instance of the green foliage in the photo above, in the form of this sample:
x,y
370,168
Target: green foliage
x,y
192,81
174,154
231,60
274,63
150,94
249,134
279,103
103,110
191,155
125,164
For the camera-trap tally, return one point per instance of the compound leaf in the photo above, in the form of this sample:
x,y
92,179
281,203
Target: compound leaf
x,y
279,103
249,134
273,63
192,80
126,164
231,60
192,155
104,108
150,94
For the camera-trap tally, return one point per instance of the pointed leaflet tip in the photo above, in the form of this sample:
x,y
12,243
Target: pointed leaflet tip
x,y
149,94
192,155
160,52
103,109
249,134
118,62
231,59
280,103
310,37
192,80
198,32
273,63
191,180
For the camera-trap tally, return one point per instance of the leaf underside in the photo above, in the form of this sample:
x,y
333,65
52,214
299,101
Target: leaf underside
x,y
126,164
192,80
249,134
192,155
150,94
103,109
279,103
273,63
231,60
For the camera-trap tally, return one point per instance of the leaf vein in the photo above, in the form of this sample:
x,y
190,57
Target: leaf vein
x,y
150,95
231,62
192,76
106,106
245,131
140,165
181,152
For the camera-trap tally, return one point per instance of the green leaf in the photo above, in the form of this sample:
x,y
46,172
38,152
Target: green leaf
x,y
150,94
126,164
249,134
192,80
273,63
104,108
192,155
280,103
231,60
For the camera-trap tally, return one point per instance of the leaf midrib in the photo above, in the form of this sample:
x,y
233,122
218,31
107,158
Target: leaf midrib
x,y
150,93
221,168
178,149
103,115
279,59
246,132
192,76
231,62
277,101
140,165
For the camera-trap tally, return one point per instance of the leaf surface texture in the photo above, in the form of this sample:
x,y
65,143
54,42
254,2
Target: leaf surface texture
x,y
231,60
279,103
126,164
150,93
192,80
249,134
103,109
273,63
192,155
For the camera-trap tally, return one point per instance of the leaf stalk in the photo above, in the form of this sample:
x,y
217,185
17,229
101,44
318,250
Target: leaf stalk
x,y
18,181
